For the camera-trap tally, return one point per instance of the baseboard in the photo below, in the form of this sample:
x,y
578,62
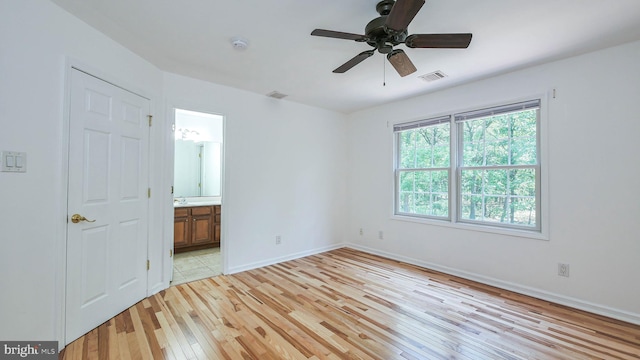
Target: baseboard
x,y
525,290
259,264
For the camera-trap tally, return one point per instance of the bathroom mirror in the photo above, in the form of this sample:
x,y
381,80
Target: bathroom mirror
x,y
198,154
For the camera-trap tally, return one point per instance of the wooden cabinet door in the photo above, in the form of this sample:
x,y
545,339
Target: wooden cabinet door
x,y
196,228
181,228
201,225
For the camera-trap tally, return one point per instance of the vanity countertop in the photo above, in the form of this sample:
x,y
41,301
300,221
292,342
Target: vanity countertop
x,y
198,202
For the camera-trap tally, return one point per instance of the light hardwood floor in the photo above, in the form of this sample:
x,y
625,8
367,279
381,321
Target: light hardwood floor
x,y
346,304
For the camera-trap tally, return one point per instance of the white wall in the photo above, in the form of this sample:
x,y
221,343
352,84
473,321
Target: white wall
x,y
286,174
284,171
593,172
36,37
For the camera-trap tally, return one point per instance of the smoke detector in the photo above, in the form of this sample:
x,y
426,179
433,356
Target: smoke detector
x,y
239,43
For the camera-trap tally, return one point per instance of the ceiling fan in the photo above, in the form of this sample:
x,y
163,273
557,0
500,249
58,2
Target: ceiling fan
x,y
389,30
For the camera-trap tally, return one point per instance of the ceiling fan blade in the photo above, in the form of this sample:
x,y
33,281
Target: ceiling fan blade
x,y
353,62
338,35
441,41
402,12
401,62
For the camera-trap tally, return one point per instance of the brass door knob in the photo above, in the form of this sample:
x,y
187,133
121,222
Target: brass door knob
x,y
76,218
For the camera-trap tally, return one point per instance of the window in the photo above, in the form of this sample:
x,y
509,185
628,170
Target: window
x,y
423,167
498,165
496,171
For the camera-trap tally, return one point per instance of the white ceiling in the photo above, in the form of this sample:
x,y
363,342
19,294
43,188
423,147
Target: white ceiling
x,y
192,38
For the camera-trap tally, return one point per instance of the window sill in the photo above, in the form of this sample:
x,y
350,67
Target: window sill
x,y
473,227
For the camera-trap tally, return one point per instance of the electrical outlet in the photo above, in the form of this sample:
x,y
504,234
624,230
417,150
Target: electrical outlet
x,y
381,235
278,240
563,269
361,231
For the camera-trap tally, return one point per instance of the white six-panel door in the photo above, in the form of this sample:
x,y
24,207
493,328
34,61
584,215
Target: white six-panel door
x,y
108,184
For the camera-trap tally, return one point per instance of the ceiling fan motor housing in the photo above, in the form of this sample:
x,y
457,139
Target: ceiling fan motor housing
x,y
382,38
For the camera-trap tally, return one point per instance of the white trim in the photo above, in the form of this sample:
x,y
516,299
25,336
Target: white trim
x,y
539,234
91,71
71,64
472,227
223,217
61,245
169,210
545,199
272,261
159,190
189,105
598,309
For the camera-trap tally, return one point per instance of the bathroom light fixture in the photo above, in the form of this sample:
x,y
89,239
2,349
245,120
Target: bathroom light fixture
x,y
186,134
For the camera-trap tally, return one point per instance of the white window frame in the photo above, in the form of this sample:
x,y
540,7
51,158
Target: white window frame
x,y
541,232
459,120
414,125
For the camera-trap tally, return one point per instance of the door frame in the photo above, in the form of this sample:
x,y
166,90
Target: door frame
x,y
70,65
184,104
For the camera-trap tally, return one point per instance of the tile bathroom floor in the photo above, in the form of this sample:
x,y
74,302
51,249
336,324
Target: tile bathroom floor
x,y
196,265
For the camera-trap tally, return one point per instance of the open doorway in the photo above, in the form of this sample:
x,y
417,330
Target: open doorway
x,y
198,164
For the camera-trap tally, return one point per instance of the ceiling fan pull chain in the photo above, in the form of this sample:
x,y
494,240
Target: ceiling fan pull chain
x,y
384,72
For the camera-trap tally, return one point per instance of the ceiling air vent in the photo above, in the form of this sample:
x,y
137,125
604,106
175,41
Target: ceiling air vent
x,y
433,76
276,95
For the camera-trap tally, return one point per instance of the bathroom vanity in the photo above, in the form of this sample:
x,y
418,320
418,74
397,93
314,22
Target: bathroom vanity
x,y
196,227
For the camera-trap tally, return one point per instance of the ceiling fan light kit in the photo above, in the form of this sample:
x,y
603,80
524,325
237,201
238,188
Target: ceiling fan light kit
x,y
389,30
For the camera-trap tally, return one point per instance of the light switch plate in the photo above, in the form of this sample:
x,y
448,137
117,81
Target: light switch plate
x,y
13,161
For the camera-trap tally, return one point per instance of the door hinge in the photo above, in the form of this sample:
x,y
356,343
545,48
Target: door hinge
x,y
148,265
172,189
149,193
170,252
150,119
